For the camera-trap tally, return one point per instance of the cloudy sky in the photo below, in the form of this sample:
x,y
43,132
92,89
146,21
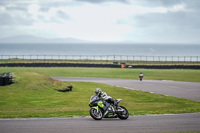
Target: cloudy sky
x,y
137,21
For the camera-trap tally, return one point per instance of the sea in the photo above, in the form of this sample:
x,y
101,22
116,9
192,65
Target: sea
x,y
101,49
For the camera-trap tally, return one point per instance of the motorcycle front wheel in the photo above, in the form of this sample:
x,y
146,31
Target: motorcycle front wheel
x,y
96,115
123,114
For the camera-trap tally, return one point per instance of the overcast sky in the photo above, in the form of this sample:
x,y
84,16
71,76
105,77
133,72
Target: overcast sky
x,y
140,21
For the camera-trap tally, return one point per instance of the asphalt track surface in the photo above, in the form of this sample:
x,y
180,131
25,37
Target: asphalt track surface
x,y
135,124
187,90
189,122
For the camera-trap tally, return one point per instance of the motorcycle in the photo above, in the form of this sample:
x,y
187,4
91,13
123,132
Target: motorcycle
x,y
140,78
101,109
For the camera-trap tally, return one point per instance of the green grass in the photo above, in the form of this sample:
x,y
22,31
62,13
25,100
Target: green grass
x,y
188,75
34,95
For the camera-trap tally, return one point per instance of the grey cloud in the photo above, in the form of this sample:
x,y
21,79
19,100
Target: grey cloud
x,y
190,4
3,2
172,26
178,19
161,2
44,9
5,19
46,6
17,14
193,5
18,3
102,1
62,15
179,25
16,8
16,20
58,17
14,15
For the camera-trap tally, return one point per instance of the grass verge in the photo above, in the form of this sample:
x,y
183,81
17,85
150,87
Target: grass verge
x,y
33,95
188,75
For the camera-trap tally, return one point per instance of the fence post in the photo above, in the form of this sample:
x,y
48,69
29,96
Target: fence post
x,y
106,58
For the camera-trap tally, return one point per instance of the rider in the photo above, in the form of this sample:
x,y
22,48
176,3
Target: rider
x,y
103,96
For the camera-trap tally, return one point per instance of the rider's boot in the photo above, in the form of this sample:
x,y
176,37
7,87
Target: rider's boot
x,y
115,105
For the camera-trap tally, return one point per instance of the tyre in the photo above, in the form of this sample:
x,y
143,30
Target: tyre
x,y
96,115
123,114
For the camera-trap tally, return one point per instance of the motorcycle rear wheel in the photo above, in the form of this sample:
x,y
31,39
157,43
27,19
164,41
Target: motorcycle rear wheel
x,y
123,115
96,115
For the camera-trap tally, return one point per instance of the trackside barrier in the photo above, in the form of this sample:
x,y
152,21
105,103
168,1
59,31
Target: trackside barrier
x,y
113,58
98,65
57,65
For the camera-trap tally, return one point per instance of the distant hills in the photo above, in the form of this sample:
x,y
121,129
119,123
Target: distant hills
x,y
34,39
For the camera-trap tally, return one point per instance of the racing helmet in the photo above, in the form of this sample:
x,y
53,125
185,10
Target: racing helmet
x,y
97,91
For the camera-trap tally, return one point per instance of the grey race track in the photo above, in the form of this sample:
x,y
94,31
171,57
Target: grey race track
x,y
187,90
189,122
135,124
